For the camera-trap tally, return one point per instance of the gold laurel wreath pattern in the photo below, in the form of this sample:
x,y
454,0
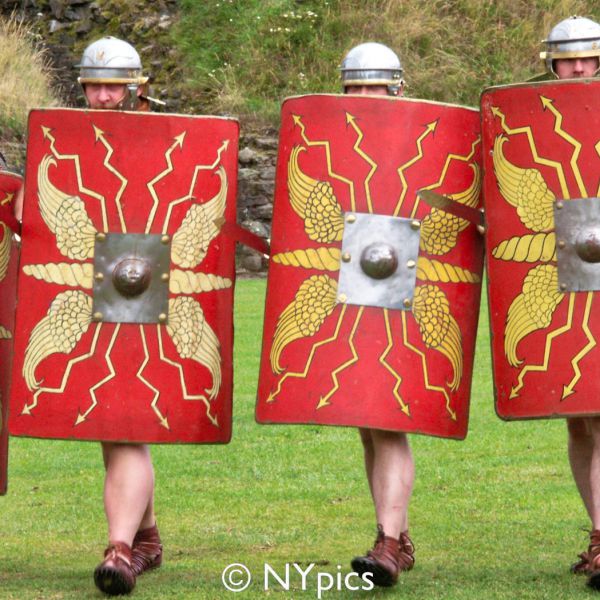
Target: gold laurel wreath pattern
x,y
434,270
194,338
440,229
190,242
532,309
322,259
67,319
313,303
439,329
527,248
315,202
75,275
65,216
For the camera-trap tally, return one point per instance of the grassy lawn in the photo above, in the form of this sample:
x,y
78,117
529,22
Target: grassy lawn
x,y
496,516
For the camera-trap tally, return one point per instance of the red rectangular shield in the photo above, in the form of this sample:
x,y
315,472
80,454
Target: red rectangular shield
x,y
9,186
126,281
540,148
331,361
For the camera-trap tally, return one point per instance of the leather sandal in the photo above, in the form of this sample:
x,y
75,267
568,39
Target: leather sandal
x,y
114,575
146,550
389,557
593,554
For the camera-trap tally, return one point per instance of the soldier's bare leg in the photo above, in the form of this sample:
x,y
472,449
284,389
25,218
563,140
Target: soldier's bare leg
x,y
392,480
128,490
390,473
581,449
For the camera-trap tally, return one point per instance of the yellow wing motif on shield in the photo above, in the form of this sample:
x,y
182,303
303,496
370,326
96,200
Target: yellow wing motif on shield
x,y
532,309
438,327
190,242
65,216
67,319
4,250
194,338
525,189
440,229
315,202
313,303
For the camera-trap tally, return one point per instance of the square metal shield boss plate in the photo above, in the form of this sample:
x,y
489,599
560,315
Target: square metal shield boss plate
x,y
131,278
577,225
379,259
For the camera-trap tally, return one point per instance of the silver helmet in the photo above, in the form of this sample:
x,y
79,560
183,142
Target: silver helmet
x,y
575,37
372,64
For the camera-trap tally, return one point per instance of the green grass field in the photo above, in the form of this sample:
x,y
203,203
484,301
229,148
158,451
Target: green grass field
x,y
495,516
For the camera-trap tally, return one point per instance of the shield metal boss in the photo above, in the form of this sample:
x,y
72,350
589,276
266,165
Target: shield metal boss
x,y
540,151
379,256
10,184
577,224
131,278
128,204
336,351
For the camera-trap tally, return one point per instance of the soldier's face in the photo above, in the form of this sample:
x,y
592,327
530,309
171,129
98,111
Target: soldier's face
x,y
571,68
368,90
105,96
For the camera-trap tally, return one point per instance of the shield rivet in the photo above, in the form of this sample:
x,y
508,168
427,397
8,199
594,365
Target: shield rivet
x,y
346,257
411,264
165,239
162,318
561,243
407,302
342,298
99,276
379,260
350,218
164,277
563,287
100,237
415,225
97,316
559,205
131,277
587,244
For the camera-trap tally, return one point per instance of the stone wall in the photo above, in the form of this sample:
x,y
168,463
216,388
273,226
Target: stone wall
x,y
65,27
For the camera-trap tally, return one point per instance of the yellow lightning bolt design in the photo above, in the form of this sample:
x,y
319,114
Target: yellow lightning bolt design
x,y
189,195
324,400
151,185
429,129
186,394
162,420
514,392
447,164
568,389
403,406
47,133
82,417
298,122
7,199
351,120
28,408
536,157
109,152
302,374
548,104
428,386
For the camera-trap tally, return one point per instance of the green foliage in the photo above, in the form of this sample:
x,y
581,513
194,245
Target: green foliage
x,y
244,57
496,516
25,78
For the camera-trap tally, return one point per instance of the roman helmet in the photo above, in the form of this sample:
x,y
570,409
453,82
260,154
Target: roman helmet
x,y
112,61
372,64
575,37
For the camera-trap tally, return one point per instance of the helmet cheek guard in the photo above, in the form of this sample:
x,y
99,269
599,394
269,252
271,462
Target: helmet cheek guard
x,y
372,64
